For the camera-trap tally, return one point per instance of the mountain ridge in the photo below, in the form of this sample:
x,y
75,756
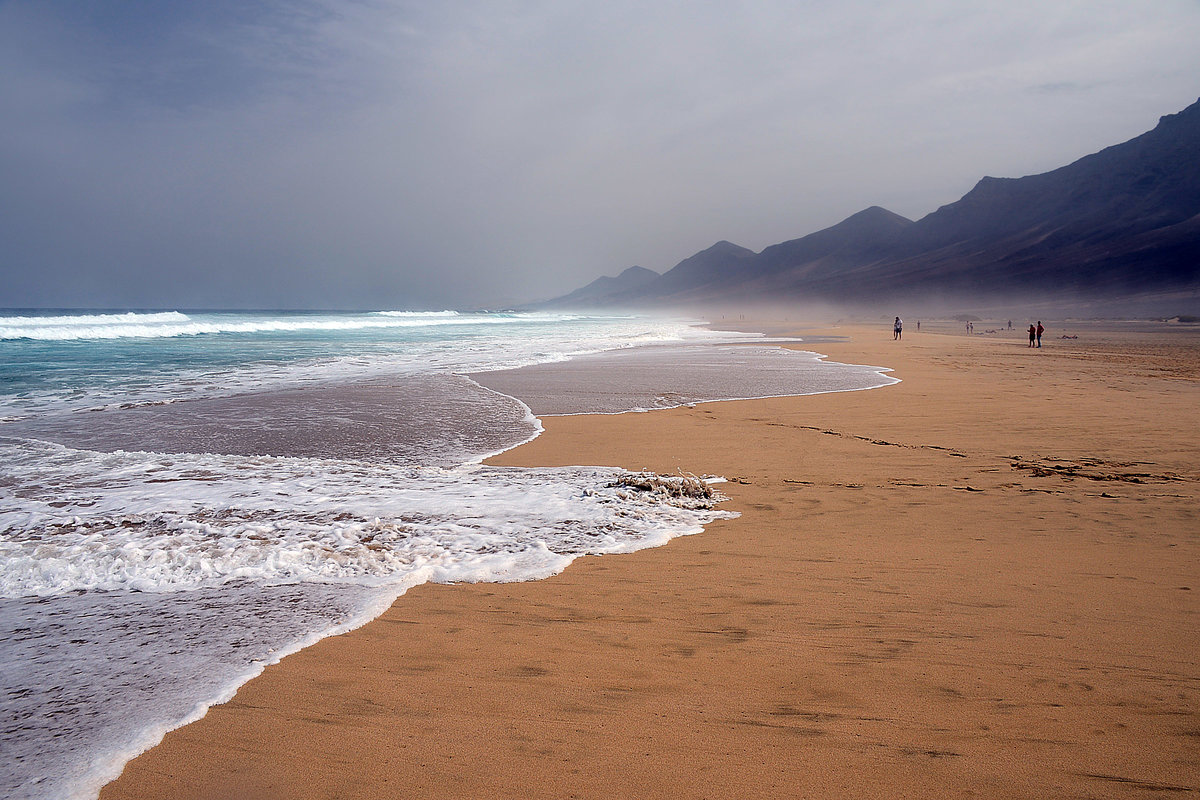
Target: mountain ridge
x,y
1123,220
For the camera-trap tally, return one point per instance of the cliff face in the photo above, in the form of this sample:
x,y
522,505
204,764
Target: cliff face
x,y
1124,220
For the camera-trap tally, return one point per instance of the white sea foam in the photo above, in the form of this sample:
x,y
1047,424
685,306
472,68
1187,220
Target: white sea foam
x,y
97,679
175,324
85,521
129,318
138,588
141,588
33,328
418,313
82,326
395,346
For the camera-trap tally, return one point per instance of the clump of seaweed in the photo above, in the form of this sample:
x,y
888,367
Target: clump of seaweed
x,y
684,486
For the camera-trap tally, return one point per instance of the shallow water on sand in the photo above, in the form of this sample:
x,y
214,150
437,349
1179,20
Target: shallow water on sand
x,y
188,503
673,375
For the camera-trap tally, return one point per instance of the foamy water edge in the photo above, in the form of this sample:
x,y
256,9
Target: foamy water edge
x,y
378,598
384,600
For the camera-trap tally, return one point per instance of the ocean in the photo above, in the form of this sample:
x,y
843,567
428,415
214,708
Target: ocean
x,y
187,497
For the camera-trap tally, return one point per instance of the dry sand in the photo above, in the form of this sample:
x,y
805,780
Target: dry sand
x,y
983,581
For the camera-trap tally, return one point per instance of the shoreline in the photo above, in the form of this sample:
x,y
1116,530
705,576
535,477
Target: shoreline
x,y
202,689
553,389
821,636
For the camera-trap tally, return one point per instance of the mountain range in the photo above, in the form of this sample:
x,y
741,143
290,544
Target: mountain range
x,y
1123,222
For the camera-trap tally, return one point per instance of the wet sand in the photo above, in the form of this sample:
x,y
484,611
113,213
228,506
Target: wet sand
x,y
382,420
980,582
668,376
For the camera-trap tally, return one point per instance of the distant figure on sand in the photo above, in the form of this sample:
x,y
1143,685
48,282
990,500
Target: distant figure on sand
x,y
1040,330
897,329
1032,334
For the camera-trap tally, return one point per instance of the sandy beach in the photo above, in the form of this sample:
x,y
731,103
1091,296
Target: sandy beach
x,y
983,581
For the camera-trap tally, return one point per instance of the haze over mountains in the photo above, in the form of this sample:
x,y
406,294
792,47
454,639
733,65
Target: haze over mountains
x,y
1120,223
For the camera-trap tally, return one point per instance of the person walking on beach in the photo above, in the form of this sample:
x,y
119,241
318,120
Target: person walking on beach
x,y
897,329
1040,330
1032,333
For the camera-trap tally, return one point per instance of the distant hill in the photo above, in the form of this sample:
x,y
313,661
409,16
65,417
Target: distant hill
x,y
607,290
713,270
1121,222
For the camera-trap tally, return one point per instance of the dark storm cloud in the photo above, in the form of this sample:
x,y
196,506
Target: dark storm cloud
x,y
410,154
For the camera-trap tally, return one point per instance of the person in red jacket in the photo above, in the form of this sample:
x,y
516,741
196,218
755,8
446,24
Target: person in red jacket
x,y
1040,330
1032,334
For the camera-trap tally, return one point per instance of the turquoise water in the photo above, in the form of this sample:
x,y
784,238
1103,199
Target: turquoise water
x,y
60,361
187,497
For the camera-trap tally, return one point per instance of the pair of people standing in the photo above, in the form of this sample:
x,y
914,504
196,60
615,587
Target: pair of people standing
x,y
898,329
1035,334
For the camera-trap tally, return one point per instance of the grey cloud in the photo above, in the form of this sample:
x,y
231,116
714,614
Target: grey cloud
x,y
389,153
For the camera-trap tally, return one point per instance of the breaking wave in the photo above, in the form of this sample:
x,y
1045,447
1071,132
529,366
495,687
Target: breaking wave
x,y
169,324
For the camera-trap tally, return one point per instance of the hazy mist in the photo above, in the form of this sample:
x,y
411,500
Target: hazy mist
x,y
313,153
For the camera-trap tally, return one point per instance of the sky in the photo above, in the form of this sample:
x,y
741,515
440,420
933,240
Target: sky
x,y
416,155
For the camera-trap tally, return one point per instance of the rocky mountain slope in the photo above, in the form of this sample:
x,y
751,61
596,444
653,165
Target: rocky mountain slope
x,y
1124,221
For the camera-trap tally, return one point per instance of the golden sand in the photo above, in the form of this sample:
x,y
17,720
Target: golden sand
x,y
983,581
